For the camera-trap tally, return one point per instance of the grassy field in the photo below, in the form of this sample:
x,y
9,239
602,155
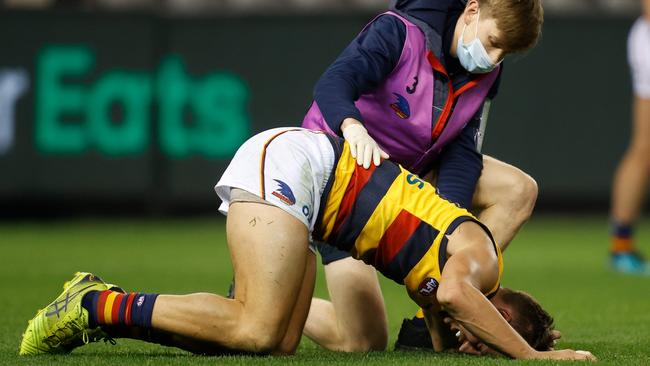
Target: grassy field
x,y
560,260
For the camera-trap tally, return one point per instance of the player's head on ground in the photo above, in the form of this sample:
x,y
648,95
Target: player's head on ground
x,y
502,26
527,317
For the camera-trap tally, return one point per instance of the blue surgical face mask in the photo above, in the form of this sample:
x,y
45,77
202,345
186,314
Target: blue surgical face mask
x,y
473,56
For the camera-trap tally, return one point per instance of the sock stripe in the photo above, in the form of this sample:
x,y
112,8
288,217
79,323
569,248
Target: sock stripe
x,y
622,237
101,303
113,308
122,308
127,313
108,309
115,312
621,245
94,303
621,230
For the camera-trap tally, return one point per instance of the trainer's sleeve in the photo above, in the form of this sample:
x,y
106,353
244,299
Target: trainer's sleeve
x,y
460,166
363,65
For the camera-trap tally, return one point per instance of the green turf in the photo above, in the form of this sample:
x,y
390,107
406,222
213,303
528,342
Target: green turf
x,y
561,260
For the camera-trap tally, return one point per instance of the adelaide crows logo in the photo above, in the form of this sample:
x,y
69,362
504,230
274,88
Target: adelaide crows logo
x,y
401,107
284,193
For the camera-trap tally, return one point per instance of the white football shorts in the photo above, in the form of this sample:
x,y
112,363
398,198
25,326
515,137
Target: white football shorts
x,y
287,167
638,52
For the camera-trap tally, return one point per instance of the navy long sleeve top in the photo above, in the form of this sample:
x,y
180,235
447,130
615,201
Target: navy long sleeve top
x,y
372,56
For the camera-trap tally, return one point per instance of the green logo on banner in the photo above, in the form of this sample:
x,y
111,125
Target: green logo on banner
x,y
196,115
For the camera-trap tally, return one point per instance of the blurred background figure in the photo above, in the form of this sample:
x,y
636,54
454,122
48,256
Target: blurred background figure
x,y
631,178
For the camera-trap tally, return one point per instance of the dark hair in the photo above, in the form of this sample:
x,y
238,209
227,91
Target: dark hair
x,y
532,322
519,22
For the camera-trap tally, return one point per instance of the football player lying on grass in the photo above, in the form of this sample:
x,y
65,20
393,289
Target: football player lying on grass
x,y
283,188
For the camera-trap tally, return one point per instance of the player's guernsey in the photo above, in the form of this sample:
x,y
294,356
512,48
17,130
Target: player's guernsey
x,y
390,219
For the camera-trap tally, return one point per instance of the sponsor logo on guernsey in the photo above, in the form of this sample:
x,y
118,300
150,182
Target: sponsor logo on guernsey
x,y
284,193
413,180
401,107
428,286
411,89
140,300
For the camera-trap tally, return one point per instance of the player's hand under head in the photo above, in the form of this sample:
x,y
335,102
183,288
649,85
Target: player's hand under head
x,y
362,147
565,354
470,344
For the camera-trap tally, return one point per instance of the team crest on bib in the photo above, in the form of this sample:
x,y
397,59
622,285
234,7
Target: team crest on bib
x,y
284,193
428,286
401,107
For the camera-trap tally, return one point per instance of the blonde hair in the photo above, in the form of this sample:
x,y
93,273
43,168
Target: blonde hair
x,y
519,21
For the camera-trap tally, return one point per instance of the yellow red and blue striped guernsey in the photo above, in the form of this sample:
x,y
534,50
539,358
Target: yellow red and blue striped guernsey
x,y
390,219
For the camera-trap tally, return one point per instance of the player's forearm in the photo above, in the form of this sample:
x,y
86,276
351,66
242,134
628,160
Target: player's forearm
x,y
441,336
471,309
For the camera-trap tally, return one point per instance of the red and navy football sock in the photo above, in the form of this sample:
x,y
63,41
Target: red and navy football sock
x,y
622,240
112,308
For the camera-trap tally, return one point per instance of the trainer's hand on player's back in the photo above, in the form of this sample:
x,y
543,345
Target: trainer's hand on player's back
x,y
362,147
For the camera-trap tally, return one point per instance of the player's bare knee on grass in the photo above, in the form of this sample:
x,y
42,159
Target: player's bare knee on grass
x,y
370,339
257,331
365,343
287,348
375,339
289,344
380,342
258,337
262,326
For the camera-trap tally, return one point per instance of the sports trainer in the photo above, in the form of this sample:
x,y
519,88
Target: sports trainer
x,y
415,84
